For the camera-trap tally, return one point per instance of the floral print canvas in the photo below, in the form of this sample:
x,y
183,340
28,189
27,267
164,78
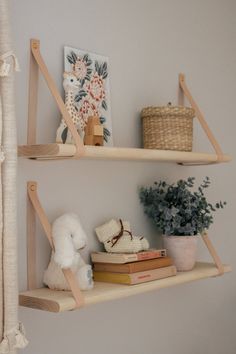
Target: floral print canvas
x,y
87,92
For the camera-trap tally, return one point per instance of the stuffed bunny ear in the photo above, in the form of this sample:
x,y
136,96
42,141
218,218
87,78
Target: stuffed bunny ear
x,y
64,249
78,234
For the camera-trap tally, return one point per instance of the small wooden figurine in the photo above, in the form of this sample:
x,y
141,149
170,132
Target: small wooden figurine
x,y
93,132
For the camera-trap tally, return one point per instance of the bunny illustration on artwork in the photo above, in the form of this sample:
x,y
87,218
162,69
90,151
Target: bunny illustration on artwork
x,y
68,237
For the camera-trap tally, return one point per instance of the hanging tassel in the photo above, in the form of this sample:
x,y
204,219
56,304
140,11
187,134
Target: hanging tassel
x,y
5,67
14,339
2,155
21,341
5,346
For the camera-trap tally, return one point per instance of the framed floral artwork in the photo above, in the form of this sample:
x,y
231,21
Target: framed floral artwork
x,y
87,92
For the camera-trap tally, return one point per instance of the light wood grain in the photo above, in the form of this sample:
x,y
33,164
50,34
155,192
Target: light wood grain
x,y
33,96
31,244
58,151
213,253
58,301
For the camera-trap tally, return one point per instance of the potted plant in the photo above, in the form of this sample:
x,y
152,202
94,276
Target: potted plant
x,y
181,214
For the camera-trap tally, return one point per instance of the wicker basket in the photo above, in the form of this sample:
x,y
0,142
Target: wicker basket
x,y
168,128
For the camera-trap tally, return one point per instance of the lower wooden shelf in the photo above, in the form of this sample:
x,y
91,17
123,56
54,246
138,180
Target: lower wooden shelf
x,y
59,301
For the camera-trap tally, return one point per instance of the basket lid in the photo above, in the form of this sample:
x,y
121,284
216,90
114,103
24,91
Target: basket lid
x,y
180,111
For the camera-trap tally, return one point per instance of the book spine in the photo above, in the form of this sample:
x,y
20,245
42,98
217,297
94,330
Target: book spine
x,y
149,264
133,267
142,277
127,258
112,278
135,278
151,254
110,258
112,267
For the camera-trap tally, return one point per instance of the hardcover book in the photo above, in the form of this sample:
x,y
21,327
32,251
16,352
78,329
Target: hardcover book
x,y
133,267
120,258
135,278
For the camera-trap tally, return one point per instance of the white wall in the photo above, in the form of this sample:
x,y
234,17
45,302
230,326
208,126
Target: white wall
x,y
148,43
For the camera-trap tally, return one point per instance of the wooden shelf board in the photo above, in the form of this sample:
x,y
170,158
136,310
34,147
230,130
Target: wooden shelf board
x,y
58,301
64,151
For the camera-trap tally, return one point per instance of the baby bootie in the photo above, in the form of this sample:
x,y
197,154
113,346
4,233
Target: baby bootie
x,y
117,238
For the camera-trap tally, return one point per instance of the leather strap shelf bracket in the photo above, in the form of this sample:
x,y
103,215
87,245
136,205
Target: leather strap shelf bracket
x,y
202,121
37,62
34,206
213,253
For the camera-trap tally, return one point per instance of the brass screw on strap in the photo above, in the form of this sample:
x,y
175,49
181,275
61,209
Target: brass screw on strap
x,y
33,187
35,45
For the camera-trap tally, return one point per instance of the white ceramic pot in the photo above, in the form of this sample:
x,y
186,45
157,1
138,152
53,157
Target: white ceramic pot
x,y
183,251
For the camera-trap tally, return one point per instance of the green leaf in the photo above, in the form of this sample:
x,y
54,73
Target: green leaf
x,y
106,132
70,59
104,105
64,135
102,120
97,67
80,95
85,57
87,77
74,56
104,66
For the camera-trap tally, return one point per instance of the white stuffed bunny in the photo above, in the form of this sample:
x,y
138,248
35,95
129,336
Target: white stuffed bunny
x,y
68,237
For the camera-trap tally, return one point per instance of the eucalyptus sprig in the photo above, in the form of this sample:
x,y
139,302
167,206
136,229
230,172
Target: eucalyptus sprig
x,y
176,209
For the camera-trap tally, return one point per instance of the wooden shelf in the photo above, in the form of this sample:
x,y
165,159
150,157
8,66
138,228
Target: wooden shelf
x,y
58,301
67,151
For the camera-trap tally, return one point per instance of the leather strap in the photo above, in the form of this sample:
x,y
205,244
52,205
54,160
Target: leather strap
x,y
201,119
69,275
35,49
213,253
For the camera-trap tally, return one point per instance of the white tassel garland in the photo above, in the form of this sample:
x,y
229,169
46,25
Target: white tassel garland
x,y
14,339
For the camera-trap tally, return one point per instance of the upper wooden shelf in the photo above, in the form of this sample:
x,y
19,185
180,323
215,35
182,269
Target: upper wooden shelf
x,y
59,151
58,301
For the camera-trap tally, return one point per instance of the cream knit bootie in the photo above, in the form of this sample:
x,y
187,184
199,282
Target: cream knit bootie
x,y
117,238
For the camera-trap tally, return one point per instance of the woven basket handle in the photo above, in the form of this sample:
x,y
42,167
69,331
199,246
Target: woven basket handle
x,y
201,118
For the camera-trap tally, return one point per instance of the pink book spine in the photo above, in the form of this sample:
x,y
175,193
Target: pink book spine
x,y
151,254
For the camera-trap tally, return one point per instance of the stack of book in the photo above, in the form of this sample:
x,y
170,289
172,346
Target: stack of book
x,y
132,268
